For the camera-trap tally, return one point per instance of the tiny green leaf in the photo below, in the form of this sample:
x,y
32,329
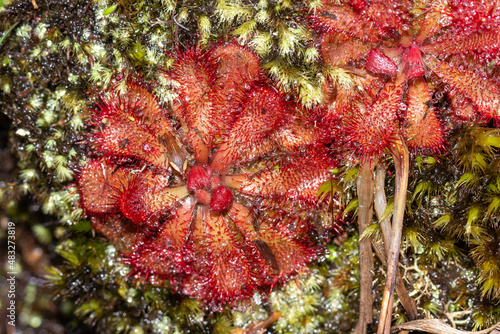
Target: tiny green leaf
x,y
351,174
493,141
492,188
42,233
413,237
473,216
442,221
370,232
466,179
351,206
327,188
494,205
430,160
82,226
388,210
138,52
419,161
479,160
72,258
420,190
4,36
54,275
110,9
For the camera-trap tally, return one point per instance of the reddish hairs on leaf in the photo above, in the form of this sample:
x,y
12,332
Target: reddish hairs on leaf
x,y
148,196
194,108
389,15
474,15
165,257
138,103
296,133
100,186
296,180
291,254
424,130
475,42
125,136
124,235
262,111
450,46
371,128
335,17
338,49
222,264
485,93
237,69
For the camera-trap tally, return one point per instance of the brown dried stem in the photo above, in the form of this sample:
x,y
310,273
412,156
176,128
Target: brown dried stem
x,y
380,204
401,164
365,214
439,327
259,327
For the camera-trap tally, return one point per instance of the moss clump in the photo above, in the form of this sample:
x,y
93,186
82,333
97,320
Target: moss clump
x,y
452,228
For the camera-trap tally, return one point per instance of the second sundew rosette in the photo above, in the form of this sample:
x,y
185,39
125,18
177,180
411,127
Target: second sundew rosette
x,y
215,194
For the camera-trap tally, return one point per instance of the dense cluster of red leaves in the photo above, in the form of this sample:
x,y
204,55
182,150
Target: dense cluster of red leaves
x,y
397,56
215,194
392,70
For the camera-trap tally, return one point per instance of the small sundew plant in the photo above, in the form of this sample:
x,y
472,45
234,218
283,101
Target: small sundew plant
x,y
216,195
386,62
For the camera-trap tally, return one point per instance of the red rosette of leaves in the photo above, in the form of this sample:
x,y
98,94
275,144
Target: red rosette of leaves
x,y
389,66
414,51
217,187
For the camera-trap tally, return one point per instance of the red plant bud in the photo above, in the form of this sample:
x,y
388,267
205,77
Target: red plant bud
x,y
222,198
197,178
412,58
214,182
379,63
202,196
358,5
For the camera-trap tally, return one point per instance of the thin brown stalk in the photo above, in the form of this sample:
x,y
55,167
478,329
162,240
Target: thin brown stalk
x,y
259,327
401,164
437,326
382,250
365,214
380,203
